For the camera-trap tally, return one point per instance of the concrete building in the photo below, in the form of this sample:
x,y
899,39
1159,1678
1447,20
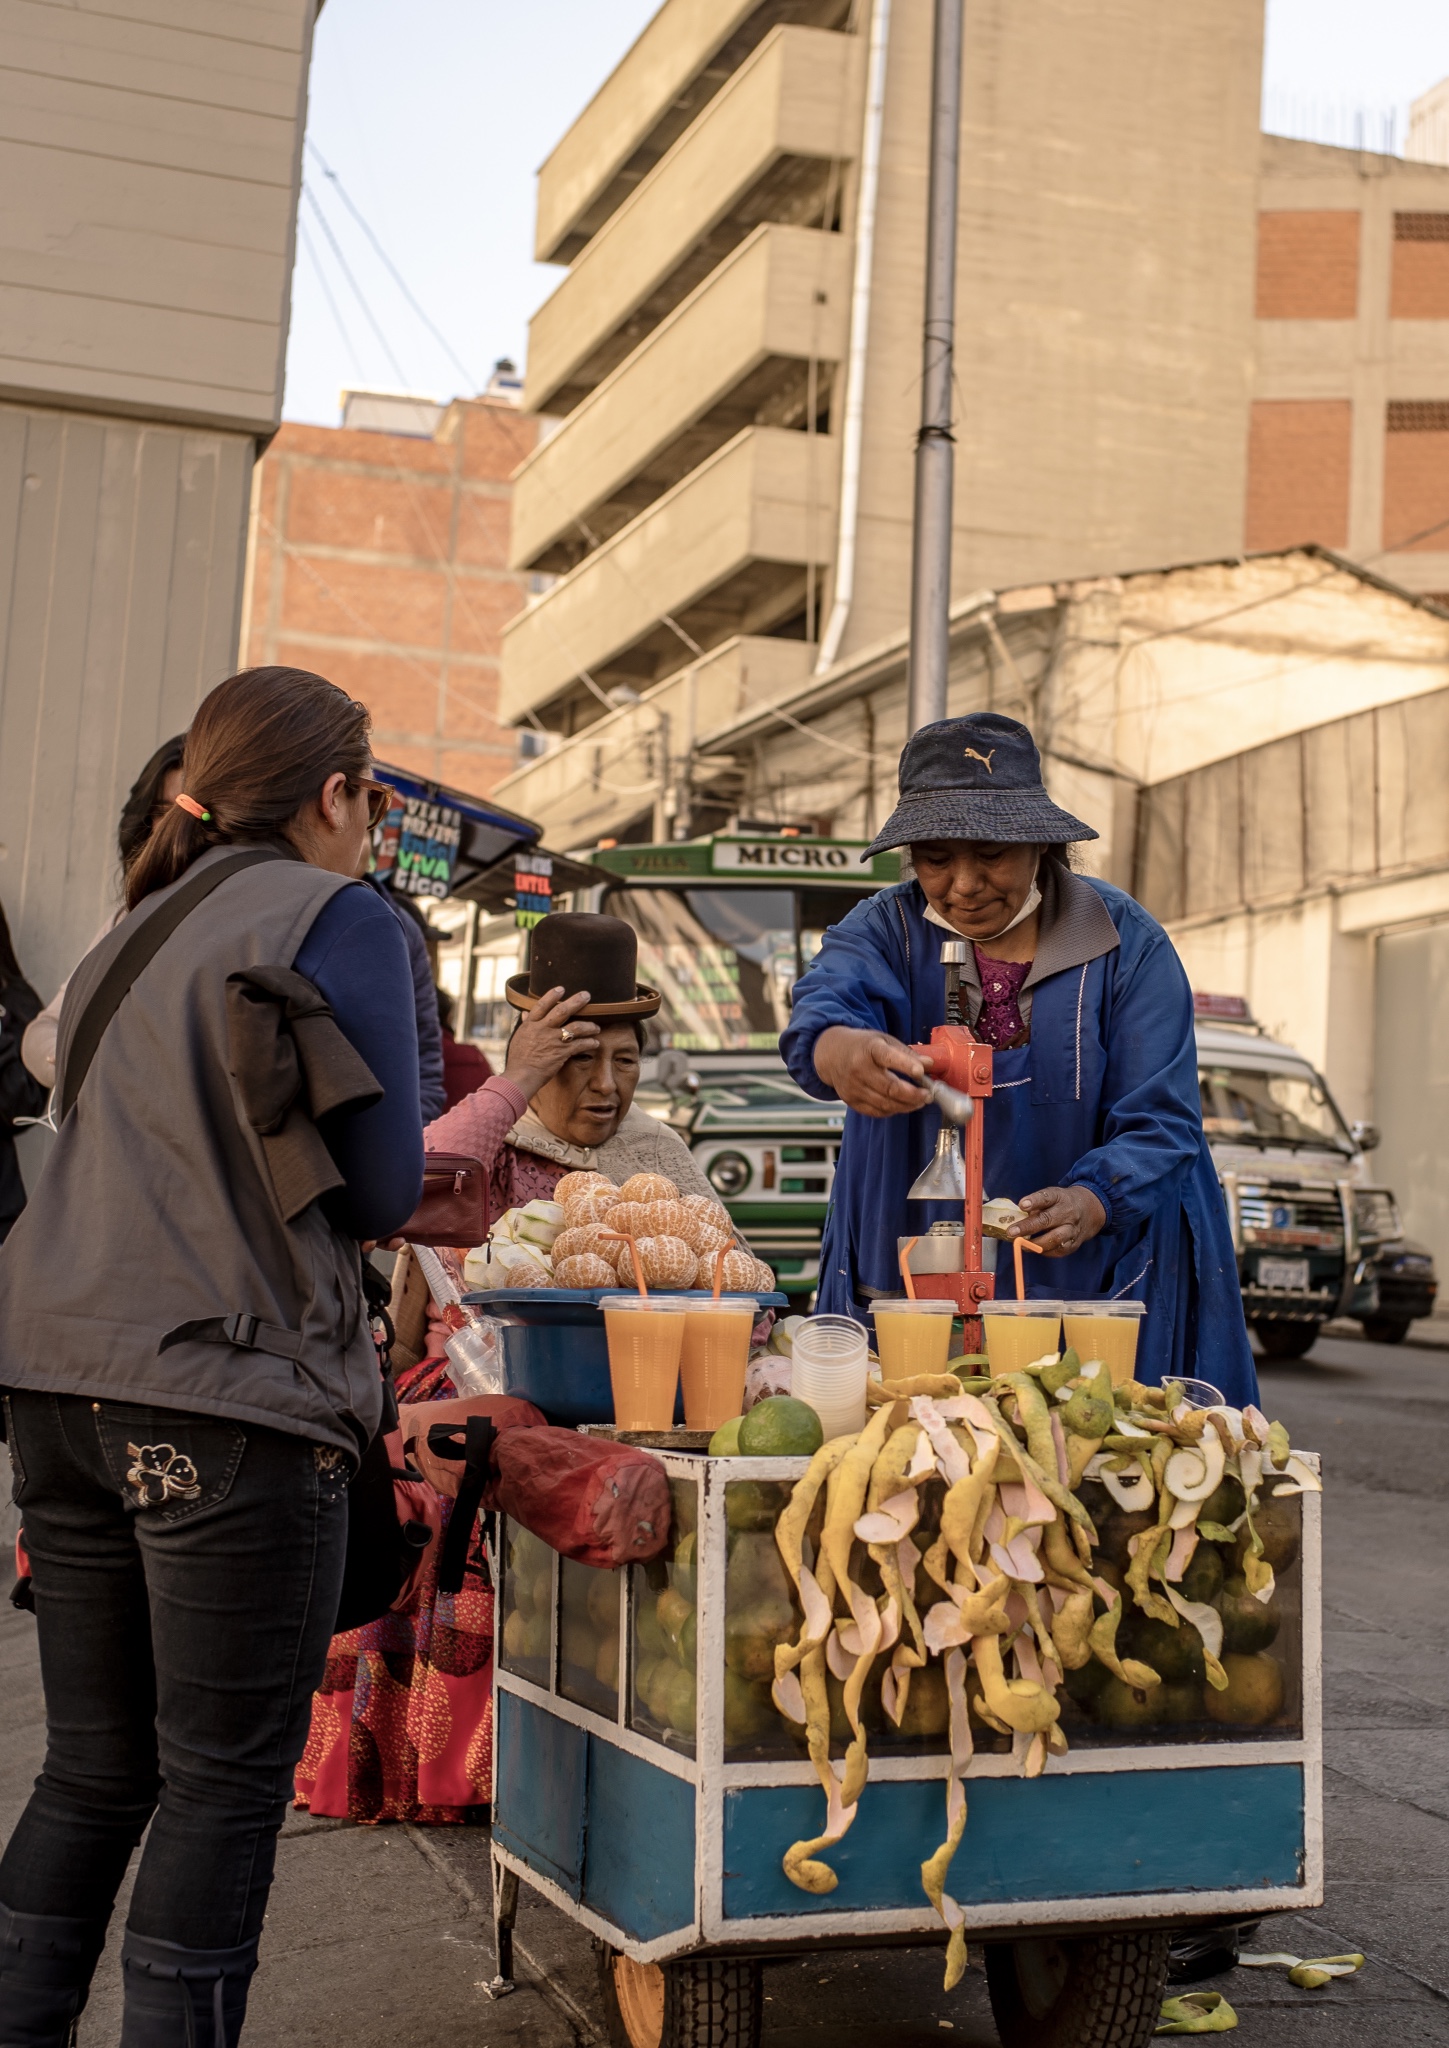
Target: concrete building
x,y
379,557
149,168
1177,339
1349,441
741,208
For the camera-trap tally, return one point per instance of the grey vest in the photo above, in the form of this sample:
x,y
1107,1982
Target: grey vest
x,y
156,1208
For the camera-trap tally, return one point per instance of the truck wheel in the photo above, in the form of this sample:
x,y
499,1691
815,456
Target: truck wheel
x,y
1286,1340
1385,1329
697,2002
1102,1991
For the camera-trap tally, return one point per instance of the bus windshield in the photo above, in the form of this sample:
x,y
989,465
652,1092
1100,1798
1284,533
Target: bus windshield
x,y
725,960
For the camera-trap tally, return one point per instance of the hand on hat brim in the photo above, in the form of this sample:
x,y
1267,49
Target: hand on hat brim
x,y
538,1048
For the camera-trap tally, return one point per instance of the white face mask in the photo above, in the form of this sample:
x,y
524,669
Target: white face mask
x,y
1033,898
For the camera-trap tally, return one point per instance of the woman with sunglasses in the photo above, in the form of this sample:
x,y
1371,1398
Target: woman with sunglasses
x,y
189,1371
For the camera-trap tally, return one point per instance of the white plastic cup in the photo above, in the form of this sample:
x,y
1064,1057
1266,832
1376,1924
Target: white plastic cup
x,y
829,1366
475,1358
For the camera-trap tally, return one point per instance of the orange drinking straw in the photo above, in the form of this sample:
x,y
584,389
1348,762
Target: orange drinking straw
x,y
906,1281
627,1237
1018,1246
719,1264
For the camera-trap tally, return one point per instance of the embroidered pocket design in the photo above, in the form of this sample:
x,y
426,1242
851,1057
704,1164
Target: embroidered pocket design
x,y
160,1473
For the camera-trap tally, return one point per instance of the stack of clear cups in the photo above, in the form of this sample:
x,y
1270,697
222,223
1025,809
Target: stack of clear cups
x,y
828,1371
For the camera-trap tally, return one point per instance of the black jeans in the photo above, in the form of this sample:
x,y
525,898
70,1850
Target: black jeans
x,y
186,1573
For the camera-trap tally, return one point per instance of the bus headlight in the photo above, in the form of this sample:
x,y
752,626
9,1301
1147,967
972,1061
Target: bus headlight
x,y
729,1173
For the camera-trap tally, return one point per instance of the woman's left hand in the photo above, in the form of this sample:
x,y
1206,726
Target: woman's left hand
x,y
1060,1220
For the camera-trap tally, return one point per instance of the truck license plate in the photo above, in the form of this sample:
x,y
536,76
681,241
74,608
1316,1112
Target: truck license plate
x,y
1291,1274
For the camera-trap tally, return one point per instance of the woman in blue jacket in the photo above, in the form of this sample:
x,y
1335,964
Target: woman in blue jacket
x,y
1094,1126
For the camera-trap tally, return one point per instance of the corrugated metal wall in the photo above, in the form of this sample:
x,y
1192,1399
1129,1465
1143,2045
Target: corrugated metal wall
x,y
121,556
1355,798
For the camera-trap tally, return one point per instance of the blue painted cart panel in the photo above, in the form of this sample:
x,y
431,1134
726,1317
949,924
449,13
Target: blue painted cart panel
x,y
639,1869
607,1827
542,1772
1047,1838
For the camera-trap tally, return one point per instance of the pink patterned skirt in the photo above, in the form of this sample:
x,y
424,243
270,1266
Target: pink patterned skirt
x,y
402,1725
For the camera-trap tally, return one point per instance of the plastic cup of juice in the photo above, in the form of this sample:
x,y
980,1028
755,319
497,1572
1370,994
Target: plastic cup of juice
x,y
912,1337
646,1334
713,1360
1020,1332
1106,1330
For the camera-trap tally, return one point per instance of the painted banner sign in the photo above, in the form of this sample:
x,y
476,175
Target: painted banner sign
x,y
417,847
533,888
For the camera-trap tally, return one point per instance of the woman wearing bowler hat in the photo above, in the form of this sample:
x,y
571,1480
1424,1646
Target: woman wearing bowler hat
x,y
564,1099
1094,1125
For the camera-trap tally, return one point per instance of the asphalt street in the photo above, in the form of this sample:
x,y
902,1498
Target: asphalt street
x,y
381,1936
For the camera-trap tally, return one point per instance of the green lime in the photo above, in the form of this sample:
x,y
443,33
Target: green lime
x,y
780,1427
725,1443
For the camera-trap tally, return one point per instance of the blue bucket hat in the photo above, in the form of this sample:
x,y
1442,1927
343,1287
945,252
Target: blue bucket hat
x,y
975,778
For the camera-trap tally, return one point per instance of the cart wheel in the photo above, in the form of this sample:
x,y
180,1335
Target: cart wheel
x,y
1102,1991
697,2002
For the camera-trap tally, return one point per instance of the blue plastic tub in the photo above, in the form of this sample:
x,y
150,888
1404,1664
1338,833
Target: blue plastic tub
x,y
555,1352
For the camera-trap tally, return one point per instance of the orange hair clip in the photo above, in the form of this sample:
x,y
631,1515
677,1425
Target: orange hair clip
x,y
189,803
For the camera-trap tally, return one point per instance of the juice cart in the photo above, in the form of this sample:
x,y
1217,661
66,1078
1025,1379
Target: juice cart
x,y
646,1785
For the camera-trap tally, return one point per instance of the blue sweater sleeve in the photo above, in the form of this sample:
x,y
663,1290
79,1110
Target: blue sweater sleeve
x,y
432,1094
356,957
858,978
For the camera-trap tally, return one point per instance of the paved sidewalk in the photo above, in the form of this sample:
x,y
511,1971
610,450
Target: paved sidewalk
x,y
380,1937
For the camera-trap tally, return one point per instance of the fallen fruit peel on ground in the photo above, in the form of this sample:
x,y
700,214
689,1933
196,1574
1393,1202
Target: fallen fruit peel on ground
x,y
1196,2012
1012,1565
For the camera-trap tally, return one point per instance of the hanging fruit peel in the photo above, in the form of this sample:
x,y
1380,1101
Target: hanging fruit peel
x,y
1012,1564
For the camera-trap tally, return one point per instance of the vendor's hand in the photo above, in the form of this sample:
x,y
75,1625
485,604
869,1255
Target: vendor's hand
x,y
549,1036
1060,1220
867,1069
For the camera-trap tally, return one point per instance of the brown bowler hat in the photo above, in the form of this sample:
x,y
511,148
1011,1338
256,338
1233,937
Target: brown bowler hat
x,y
577,949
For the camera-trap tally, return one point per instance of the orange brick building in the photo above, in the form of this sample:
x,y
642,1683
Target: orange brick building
x,y
1349,435
379,558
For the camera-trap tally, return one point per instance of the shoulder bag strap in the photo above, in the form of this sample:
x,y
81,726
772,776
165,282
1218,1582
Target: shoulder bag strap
x,y
134,956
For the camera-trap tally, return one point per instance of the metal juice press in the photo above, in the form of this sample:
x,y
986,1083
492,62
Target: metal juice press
x,y
960,1082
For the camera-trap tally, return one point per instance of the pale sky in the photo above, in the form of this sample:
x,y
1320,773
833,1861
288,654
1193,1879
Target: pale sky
x,y
436,114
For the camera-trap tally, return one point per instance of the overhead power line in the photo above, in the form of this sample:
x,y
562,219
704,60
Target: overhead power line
x,y
342,328
357,292
470,380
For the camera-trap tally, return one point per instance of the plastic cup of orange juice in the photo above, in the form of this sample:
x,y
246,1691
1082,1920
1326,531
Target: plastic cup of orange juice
x,y
1105,1330
714,1359
1020,1332
912,1336
645,1333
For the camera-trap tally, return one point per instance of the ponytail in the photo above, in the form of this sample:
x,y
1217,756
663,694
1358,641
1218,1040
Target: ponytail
x,y
260,748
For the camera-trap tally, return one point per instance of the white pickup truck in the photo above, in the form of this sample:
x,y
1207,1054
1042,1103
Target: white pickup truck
x,y
1315,1236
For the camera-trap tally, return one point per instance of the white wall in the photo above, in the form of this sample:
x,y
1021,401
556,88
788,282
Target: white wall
x,y
1413,1080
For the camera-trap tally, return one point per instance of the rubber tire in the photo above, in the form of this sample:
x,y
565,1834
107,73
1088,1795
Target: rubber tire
x,y
709,2002
1385,1329
1109,1995
1287,1340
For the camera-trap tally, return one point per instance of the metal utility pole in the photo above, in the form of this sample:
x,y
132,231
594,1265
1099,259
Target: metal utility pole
x,y
935,444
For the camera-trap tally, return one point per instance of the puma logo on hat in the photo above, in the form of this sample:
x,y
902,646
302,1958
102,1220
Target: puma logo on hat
x,y
984,759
